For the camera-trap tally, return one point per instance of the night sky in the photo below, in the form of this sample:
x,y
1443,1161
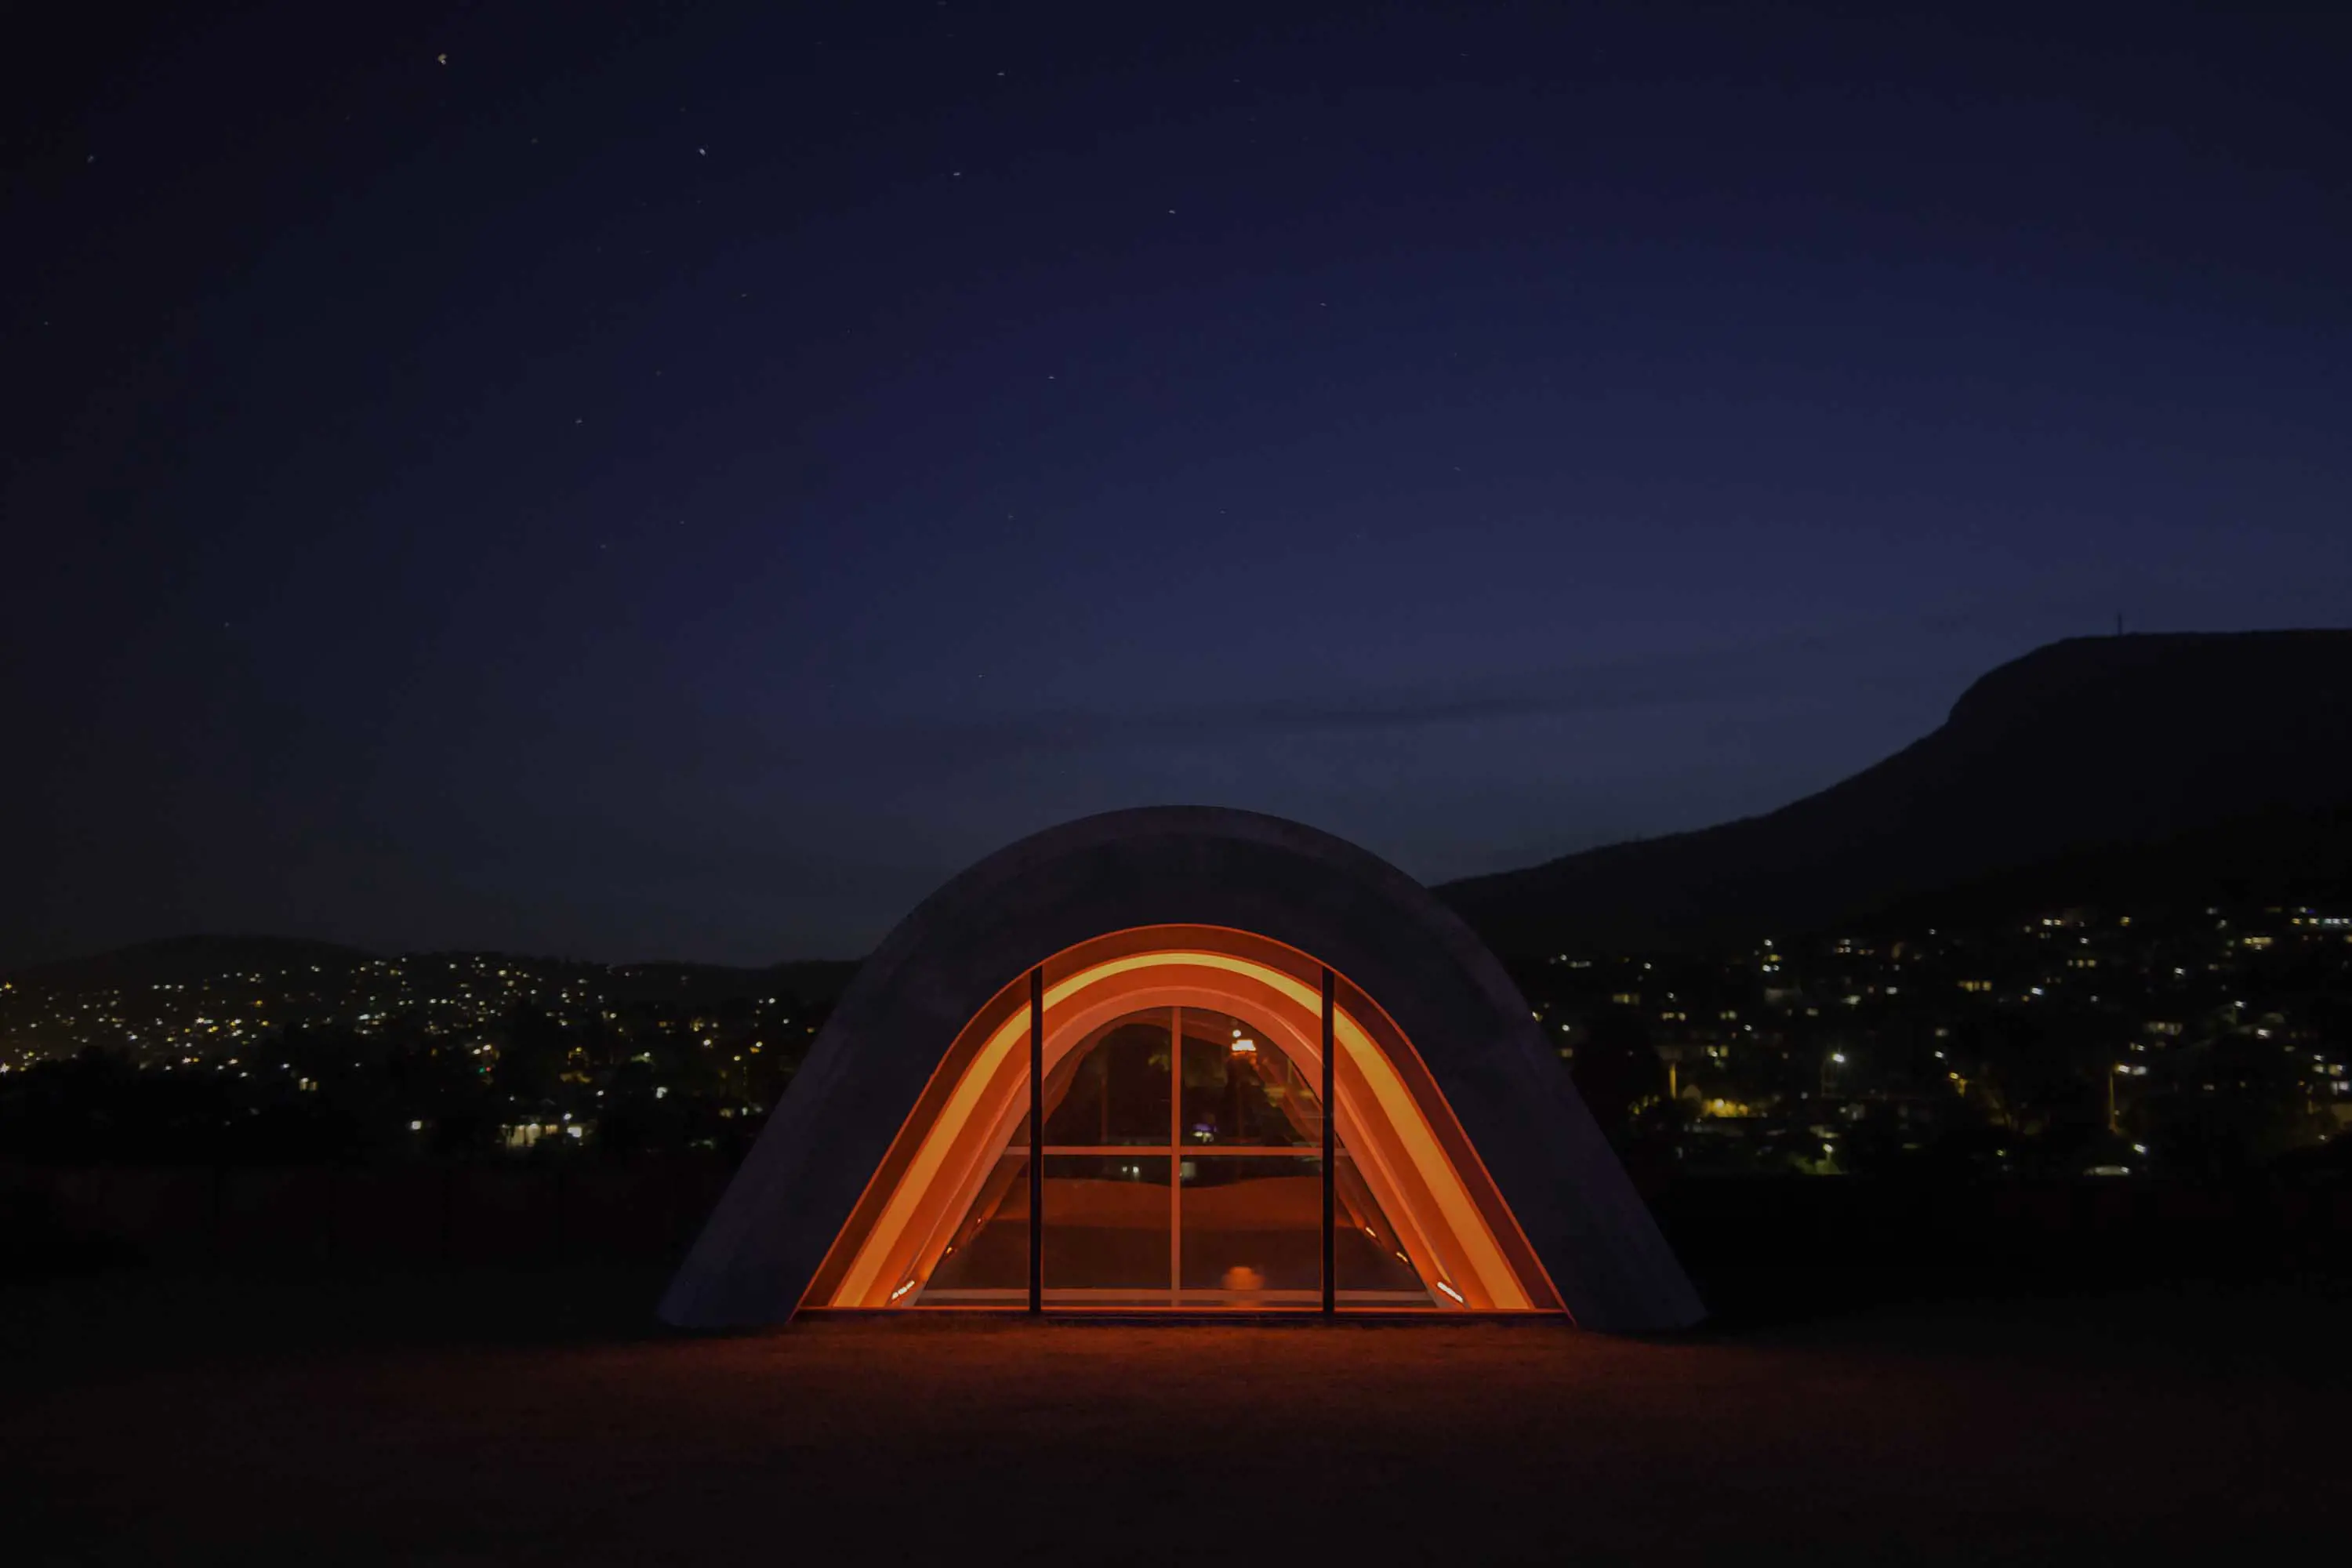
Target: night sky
x,y
605,481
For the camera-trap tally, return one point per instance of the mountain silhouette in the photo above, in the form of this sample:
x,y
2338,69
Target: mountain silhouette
x,y
2145,769
2141,766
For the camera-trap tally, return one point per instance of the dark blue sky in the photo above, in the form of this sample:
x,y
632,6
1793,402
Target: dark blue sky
x,y
684,484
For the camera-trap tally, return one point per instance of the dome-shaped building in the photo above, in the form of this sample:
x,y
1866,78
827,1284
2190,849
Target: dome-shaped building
x,y
1188,1060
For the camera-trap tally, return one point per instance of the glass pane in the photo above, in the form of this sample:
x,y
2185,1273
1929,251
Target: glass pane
x,y
1253,1231
1369,1263
987,1259
1111,1090
1106,1237
1240,1087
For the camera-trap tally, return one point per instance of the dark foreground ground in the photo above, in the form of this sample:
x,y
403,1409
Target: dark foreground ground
x,y
528,1417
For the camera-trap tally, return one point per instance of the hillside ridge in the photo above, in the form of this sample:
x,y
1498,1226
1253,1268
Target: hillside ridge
x,y
2090,744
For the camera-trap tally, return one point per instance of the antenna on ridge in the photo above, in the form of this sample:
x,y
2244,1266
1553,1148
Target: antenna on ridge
x,y
2119,624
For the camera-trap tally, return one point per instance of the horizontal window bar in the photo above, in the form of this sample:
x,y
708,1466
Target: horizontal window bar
x,y
1189,1150
975,1294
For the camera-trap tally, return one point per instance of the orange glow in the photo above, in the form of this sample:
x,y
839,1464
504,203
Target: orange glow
x,y
1450,1226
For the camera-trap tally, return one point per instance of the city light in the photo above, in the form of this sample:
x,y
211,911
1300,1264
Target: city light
x,y
1879,1018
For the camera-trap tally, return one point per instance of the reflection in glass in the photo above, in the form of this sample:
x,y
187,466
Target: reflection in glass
x,y
1252,1230
1241,1088
1111,1089
987,1259
1106,1224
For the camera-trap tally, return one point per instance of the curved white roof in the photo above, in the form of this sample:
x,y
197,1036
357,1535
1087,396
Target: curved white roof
x,y
1182,866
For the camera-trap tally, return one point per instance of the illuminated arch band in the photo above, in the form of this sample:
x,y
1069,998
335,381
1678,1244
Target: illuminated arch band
x,y
1403,1148
1451,1112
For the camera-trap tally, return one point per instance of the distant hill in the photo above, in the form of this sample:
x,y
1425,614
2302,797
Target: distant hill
x,y
2139,765
816,981
184,960
2140,769
192,959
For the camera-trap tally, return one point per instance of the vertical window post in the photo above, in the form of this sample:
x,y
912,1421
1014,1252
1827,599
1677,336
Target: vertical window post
x,y
1330,1150
1175,1156
1037,1140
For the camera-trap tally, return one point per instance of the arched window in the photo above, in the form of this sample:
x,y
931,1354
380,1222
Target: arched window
x,y
1185,1158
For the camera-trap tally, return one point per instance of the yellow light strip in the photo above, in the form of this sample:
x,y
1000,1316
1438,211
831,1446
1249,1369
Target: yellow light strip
x,y
1463,1220
916,1181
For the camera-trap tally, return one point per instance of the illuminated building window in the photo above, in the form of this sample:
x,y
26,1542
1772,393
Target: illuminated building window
x,y
1182,1158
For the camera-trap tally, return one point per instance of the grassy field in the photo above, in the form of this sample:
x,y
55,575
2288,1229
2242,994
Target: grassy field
x,y
535,1416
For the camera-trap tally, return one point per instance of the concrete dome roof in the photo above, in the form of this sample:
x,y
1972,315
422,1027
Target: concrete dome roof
x,y
1182,866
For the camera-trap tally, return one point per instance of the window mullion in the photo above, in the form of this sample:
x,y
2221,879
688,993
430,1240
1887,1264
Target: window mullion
x,y
1175,1142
